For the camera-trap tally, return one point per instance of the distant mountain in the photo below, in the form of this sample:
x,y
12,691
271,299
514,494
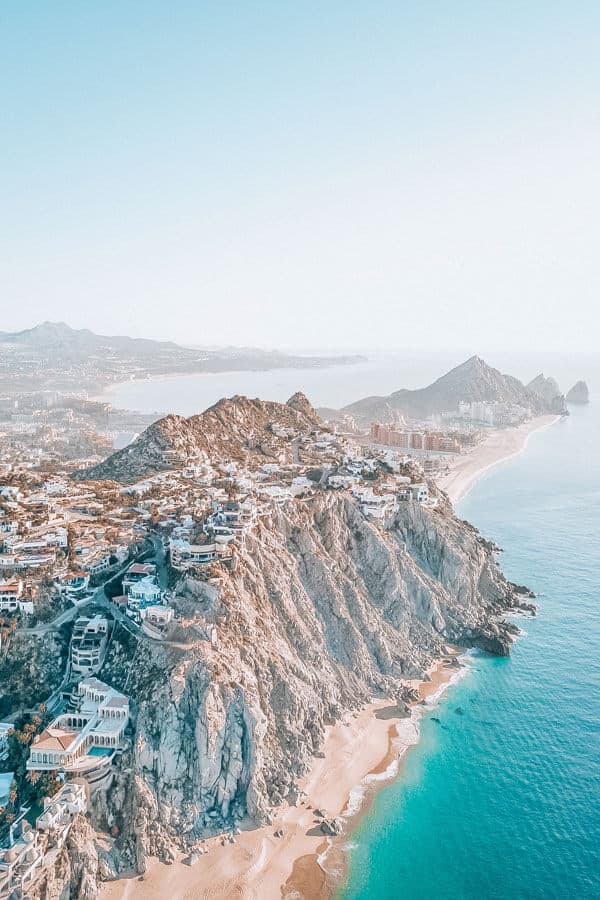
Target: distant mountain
x,y
57,336
471,381
579,394
65,349
230,430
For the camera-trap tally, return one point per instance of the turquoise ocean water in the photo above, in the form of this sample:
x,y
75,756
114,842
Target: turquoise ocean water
x,y
501,797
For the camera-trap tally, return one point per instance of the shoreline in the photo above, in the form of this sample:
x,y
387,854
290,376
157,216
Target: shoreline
x,y
361,754
402,737
498,447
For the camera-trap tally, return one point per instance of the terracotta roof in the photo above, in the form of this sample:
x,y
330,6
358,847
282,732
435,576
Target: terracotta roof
x,y
55,739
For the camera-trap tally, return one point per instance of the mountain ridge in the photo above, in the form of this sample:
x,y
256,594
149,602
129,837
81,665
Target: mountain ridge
x,y
230,429
471,381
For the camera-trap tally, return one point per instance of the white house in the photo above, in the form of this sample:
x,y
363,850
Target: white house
x,y
141,594
88,644
60,810
13,598
83,741
185,555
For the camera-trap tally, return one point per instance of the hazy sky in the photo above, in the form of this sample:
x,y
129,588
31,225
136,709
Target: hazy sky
x,y
303,174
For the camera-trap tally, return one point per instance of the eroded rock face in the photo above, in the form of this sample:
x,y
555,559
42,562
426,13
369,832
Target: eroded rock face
x,y
322,611
76,870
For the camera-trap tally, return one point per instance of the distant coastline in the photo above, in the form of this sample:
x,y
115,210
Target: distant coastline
x,y
189,393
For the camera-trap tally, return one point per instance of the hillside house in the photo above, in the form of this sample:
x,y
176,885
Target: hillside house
x,y
142,594
30,850
15,598
85,740
88,644
184,555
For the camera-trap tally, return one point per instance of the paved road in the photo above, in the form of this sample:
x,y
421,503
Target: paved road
x,y
98,598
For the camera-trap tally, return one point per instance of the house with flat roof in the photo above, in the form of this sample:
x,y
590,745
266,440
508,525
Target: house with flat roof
x,y
88,644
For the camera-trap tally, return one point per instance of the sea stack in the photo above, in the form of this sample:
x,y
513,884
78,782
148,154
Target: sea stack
x,y
579,394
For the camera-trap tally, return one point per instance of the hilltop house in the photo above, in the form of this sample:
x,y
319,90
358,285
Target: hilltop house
x,y
142,594
136,572
418,492
156,620
184,555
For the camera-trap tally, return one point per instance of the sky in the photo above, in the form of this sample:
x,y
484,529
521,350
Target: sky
x,y
332,174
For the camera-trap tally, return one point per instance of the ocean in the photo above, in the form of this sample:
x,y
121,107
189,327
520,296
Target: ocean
x,y
500,799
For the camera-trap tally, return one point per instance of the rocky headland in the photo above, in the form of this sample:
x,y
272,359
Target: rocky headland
x,y
321,612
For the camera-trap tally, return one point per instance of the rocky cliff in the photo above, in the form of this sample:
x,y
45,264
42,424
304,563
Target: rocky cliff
x,y
579,393
323,611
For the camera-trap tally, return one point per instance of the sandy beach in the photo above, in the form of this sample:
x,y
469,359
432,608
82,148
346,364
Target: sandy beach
x,y
496,448
359,754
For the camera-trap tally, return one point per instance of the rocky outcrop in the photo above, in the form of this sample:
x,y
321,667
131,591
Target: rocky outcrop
x,y
231,429
545,388
322,611
30,667
549,393
579,394
76,870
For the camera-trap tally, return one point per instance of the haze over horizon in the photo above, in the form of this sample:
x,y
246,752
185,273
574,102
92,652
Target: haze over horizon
x,y
304,177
